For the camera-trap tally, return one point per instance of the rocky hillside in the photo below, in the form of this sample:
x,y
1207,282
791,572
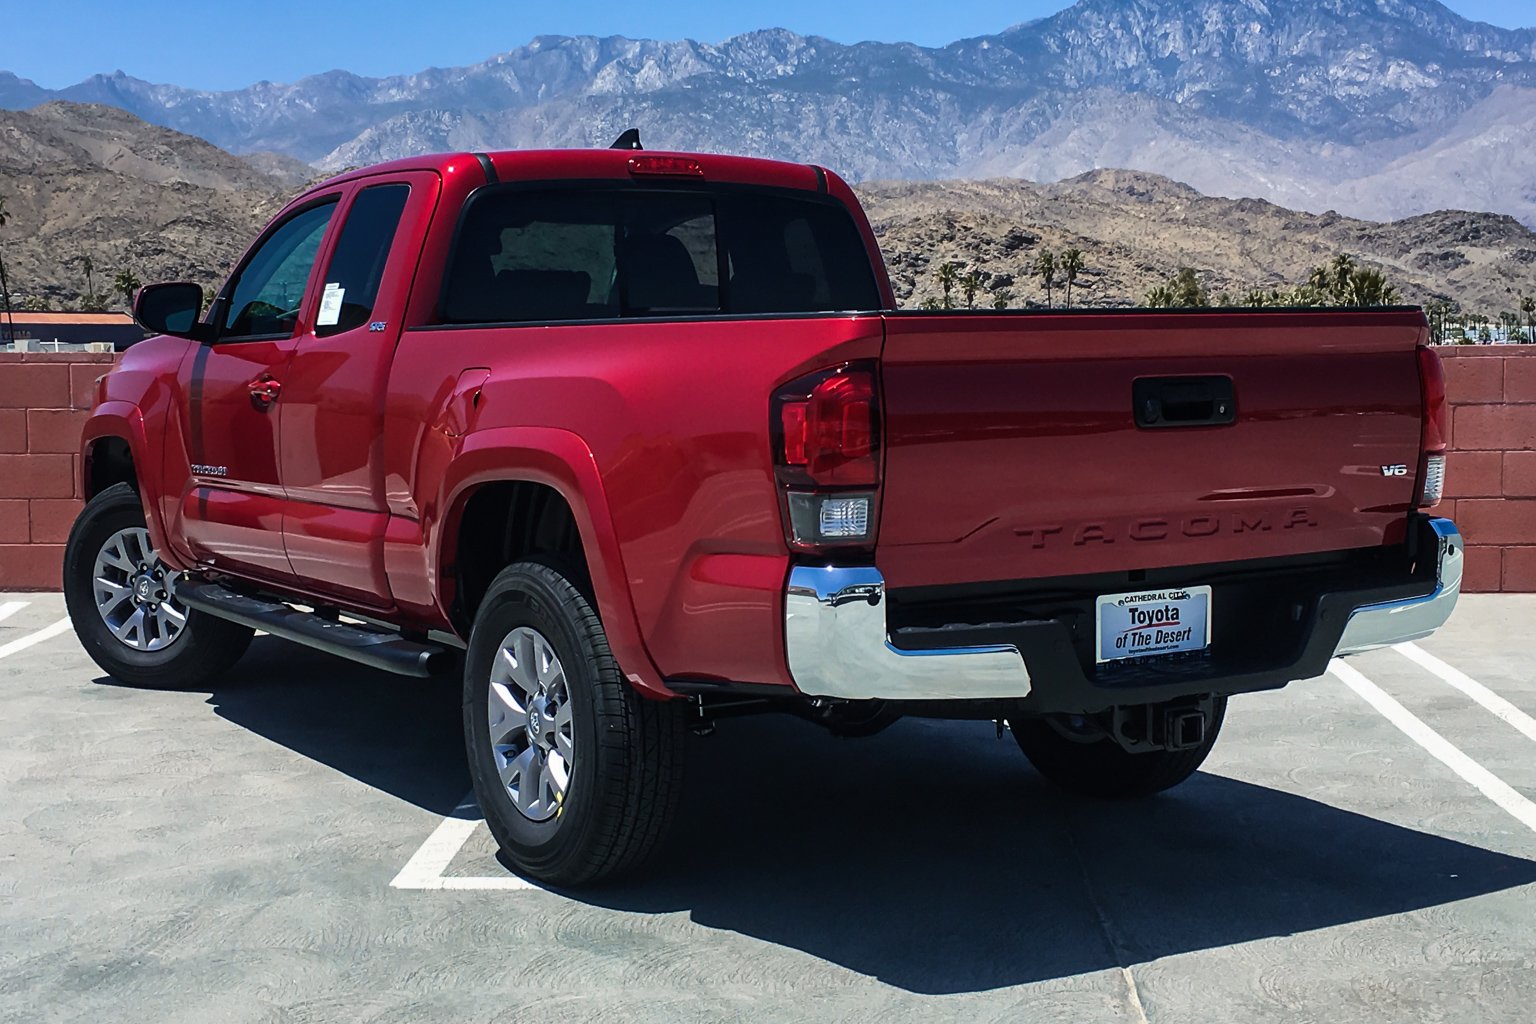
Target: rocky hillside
x,y
1379,108
90,180
1136,229
93,181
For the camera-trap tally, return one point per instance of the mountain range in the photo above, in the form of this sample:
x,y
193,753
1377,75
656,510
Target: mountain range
x,y
1375,108
88,181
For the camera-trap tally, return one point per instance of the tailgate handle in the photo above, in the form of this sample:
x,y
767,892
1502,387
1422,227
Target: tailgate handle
x,y
1162,402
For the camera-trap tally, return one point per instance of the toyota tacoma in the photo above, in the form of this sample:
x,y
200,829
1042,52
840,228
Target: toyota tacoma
x,y
633,440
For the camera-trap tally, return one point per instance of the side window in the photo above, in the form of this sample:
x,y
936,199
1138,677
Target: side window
x,y
269,290
583,255
357,263
525,256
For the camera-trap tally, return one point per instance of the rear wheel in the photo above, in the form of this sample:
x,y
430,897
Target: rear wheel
x,y
578,775
1085,761
122,602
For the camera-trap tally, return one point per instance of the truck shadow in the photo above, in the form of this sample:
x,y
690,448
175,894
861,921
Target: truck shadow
x,y
401,736
933,858
930,856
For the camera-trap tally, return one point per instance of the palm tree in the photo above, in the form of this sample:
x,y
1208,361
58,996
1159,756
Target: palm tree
x,y
1366,287
1528,307
1510,321
124,283
5,288
1071,264
970,284
1342,282
1320,279
1045,269
1337,279
1187,289
949,273
1438,313
89,266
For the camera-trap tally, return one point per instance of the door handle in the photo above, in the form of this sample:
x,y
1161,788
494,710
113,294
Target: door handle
x,y
264,392
1162,402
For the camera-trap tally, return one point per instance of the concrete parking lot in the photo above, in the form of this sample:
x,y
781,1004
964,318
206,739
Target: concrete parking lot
x,y
292,847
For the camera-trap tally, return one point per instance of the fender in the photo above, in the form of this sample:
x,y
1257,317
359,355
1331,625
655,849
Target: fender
x,y
561,460
124,421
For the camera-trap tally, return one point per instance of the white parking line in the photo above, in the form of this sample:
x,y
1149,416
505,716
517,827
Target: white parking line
x,y
1471,687
46,633
425,868
11,608
1487,783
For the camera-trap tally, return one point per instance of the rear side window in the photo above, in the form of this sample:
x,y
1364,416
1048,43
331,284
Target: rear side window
x,y
532,256
351,283
580,254
792,256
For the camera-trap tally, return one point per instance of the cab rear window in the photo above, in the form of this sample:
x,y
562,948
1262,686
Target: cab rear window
x,y
540,255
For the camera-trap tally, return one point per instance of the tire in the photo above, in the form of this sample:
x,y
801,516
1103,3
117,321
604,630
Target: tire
x,y
158,653
1102,768
605,764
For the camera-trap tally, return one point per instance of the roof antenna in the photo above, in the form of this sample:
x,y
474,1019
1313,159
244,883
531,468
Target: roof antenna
x,y
629,140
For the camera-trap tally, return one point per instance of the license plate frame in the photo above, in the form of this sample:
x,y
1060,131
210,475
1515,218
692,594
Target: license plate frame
x,y
1174,620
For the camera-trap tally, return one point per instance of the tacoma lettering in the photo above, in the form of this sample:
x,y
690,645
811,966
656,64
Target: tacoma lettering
x,y
1152,530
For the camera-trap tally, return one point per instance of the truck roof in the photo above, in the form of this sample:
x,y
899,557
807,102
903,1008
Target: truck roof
x,y
557,164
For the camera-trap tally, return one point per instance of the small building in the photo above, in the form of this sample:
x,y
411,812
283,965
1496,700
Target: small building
x,y
70,328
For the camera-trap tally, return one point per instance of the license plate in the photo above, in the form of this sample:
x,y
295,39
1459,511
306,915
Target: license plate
x,y
1152,622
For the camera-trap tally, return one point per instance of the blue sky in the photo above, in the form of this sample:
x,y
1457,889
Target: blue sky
x,y
226,45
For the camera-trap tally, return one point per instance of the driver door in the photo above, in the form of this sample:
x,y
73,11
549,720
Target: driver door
x,y
232,504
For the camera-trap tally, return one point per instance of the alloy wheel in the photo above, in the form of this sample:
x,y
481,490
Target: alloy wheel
x,y
529,716
135,593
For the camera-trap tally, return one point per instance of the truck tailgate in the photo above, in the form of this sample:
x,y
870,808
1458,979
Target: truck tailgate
x,y
1013,448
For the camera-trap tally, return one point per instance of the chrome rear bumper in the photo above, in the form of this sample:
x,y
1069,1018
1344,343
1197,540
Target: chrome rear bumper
x,y
835,635
838,644
1380,625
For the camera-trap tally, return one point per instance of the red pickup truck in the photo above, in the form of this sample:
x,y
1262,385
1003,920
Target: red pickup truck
x,y
635,440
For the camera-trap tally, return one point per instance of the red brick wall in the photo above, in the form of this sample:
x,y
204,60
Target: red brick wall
x,y
43,403
1491,474
1491,482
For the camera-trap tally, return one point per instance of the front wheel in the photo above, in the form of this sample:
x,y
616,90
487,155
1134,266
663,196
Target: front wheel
x,y
1091,764
577,775
122,602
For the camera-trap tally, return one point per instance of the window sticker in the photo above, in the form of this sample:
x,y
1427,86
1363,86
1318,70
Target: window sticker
x,y
330,305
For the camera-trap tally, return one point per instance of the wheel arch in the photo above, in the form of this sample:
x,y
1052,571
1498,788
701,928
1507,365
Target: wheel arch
x,y
114,449
528,491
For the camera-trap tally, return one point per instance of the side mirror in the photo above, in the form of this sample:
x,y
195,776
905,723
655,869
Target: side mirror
x,y
172,309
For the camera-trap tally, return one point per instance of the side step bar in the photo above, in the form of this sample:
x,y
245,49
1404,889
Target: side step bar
x,y
374,647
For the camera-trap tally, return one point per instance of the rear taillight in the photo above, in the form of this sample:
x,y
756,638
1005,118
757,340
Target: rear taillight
x,y
826,435
1436,426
